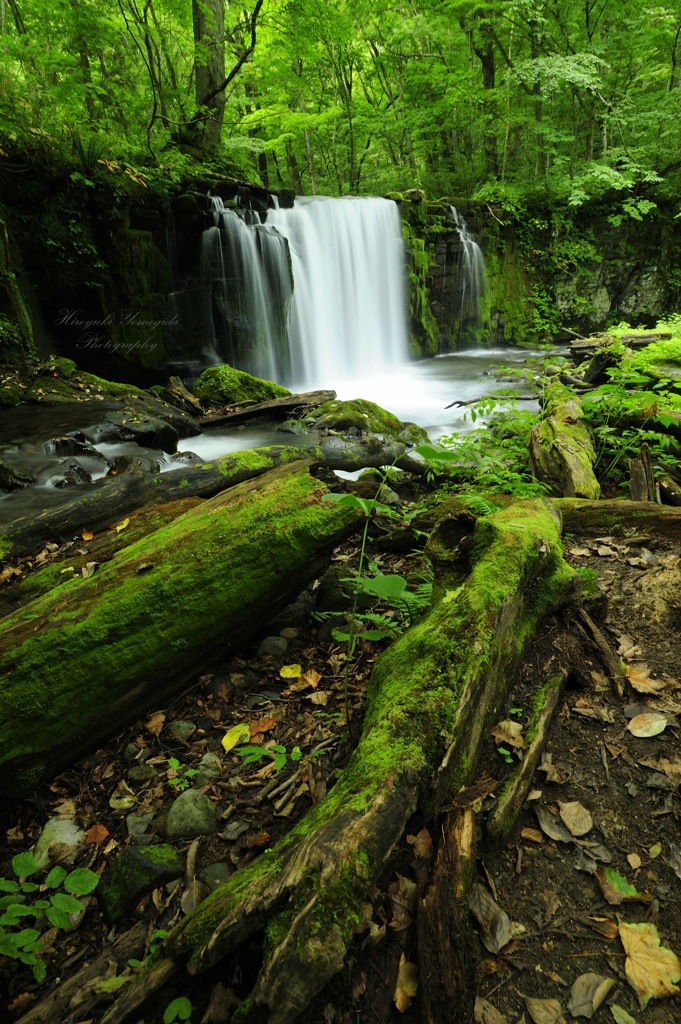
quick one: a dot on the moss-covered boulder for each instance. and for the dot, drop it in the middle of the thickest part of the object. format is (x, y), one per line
(224, 385)
(561, 447)
(366, 418)
(135, 872)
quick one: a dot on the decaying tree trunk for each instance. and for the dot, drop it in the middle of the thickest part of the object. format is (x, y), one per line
(83, 660)
(431, 699)
(111, 498)
(561, 447)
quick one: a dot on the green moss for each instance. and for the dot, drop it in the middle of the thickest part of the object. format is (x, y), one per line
(224, 385)
(366, 417)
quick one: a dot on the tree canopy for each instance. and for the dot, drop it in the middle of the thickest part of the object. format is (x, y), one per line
(498, 100)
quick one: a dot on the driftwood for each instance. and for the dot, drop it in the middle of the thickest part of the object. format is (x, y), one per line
(582, 348)
(274, 409)
(85, 659)
(561, 447)
(431, 700)
(111, 498)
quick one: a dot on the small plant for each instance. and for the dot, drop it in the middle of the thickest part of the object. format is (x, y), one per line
(182, 774)
(279, 754)
(589, 581)
(22, 943)
(155, 943)
(179, 1009)
(506, 754)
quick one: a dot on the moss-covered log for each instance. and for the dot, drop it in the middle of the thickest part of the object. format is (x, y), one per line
(111, 498)
(431, 700)
(561, 447)
(85, 659)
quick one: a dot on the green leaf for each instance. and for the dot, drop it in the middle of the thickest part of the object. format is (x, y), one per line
(179, 1009)
(279, 761)
(29, 887)
(69, 904)
(24, 864)
(55, 877)
(28, 935)
(296, 754)
(39, 971)
(81, 881)
(6, 885)
(57, 918)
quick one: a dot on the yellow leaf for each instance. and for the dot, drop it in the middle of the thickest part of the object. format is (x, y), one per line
(237, 734)
(87, 534)
(290, 671)
(650, 968)
(122, 526)
(407, 984)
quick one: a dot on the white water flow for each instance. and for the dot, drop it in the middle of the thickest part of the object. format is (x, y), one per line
(472, 278)
(313, 296)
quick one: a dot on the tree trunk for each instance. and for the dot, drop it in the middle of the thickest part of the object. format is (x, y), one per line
(561, 447)
(209, 65)
(431, 700)
(85, 659)
(110, 499)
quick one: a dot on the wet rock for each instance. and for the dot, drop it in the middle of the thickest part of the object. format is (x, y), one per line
(124, 462)
(74, 474)
(13, 477)
(182, 730)
(73, 444)
(191, 814)
(135, 872)
(141, 773)
(187, 459)
(215, 874)
(272, 646)
(57, 830)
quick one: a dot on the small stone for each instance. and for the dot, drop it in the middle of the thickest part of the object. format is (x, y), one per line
(325, 631)
(274, 646)
(135, 872)
(131, 751)
(138, 824)
(57, 830)
(182, 730)
(141, 772)
(191, 814)
(210, 767)
(215, 874)
(289, 633)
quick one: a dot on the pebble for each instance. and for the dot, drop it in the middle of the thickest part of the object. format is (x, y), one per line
(182, 730)
(141, 772)
(273, 646)
(138, 824)
(191, 814)
(215, 874)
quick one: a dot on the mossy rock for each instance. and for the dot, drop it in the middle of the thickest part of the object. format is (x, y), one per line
(397, 197)
(368, 418)
(136, 871)
(224, 385)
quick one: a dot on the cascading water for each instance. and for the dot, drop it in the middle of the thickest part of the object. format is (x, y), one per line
(313, 295)
(472, 282)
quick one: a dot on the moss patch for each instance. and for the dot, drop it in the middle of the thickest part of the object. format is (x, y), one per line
(224, 385)
(368, 418)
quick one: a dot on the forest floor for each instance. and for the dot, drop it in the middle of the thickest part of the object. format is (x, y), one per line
(618, 794)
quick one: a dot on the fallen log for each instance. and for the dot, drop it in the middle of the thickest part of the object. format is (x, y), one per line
(111, 498)
(561, 447)
(275, 408)
(88, 657)
(431, 700)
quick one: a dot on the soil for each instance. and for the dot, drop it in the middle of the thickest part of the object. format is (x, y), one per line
(628, 784)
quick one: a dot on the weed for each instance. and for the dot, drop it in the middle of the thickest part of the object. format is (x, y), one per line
(182, 774)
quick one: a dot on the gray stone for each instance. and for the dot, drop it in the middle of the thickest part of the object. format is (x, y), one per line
(135, 872)
(57, 830)
(274, 646)
(325, 631)
(210, 767)
(182, 730)
(191, 814)
(138, 824)
(141, 772)
(215, 874)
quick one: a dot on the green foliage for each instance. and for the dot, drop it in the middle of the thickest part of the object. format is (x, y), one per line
(182, 774)
(179, 1009)
(23, 943)
(279, 754)
(589, 579)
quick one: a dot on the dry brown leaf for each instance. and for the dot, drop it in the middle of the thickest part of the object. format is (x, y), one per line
(647, 725)
(604, 926)
(319, 697)
(552, 773)
(495, 924)
(485, 1013)
(587, 994)
(422, 843)
(651, 969)
(407, 984)
(639, 679)
(264, 725)
(87, 534)
(154, 724)
(403, 896)
(509, 732)
(575, 817)
(122, 798)
(634, 861)
(544, 1011)
(96, 834)
(194, 894)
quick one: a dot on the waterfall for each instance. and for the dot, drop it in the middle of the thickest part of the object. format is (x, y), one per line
(306, 295)
(471, 283)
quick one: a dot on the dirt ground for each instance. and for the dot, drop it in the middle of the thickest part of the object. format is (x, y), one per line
(628, 784)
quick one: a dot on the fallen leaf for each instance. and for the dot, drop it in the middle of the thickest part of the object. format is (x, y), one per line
(647, 725)
(96, 834)
(259, 839)
(634, 861)
(122, 526)
(551, 826)
(403, 895)
(533, 835)
(650, 968)
(407, 984)
(604, 926)
(544, 1011)
(655, 851)
(580, 552)
(639, 679)
(603, 551)
(122, 798)
(237, 734)
(154, 724)
(575, 817)
(485, 1013)
(616, 889)
(88, 570)
(290, 671)
(509, 732)
(264, 725)
(194, 894)
(319, 697)
(552, 773)
(587, 994)
(311, 678)
(63, 854)
(494, 922)
(621, 1016)
(87, 535)
(19, 1004)
(422, 843)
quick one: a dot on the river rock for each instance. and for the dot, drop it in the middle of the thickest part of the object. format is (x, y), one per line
(182, 730)
(73, 474)
(210, 767)
(57, 830)
(272, 646)
(138, 826)
(136, 871)
(215, 874)
(191, 814)
(13, 477)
